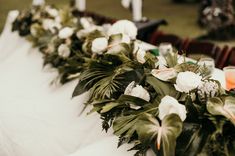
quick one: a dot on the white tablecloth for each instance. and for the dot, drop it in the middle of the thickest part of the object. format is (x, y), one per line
(37, 119)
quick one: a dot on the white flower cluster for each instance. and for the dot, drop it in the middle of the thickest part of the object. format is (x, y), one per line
(125, 28)
(64, 50)
(66, 32)
(187, 81)
(52, 11)
(89, 26)
(208, 89)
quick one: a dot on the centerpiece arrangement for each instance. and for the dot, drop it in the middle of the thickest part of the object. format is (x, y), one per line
(163, 103)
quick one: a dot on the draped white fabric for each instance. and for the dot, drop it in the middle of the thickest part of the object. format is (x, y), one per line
(39, 119)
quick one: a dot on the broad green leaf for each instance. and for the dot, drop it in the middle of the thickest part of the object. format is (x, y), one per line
(162, 88)
(80, 88)
(109, 106)
(192, 139)
(165, 135)
(132, 100)
(224, 106)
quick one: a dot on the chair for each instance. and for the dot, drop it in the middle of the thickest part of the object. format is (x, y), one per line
(204, 49)
(223, 57)
(146, 28)
(159, 37)
(230, 60)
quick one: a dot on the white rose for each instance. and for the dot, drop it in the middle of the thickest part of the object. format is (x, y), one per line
(170, 105)
(86, 22)
(58, 19)
(65, 33)
(164, 74)
(64, 51)
(124, 27)
(52, 12)
(49, 24)
(139, 52)
(187, 81)
(106, 27)
(99, 45)
(126, 39)
(137, 91)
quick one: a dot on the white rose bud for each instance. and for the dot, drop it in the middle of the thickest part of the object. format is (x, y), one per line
(187, 81)
(124, 27)
(137, 91)
(170, 105)
(64, 51)
(140, 56)
(65, 33)
(49, 24)
(99, 45)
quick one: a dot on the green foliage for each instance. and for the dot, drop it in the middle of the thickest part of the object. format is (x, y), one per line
(209, 126)
(224, 106)
(165, 135)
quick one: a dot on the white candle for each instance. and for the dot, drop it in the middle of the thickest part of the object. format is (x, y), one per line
(81, 5)
(137, 10)
(38, 2)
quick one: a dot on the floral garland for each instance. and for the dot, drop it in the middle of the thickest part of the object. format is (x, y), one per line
(164, 103)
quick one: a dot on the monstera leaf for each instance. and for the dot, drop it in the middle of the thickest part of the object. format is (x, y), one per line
(224, 106)
(164, 135)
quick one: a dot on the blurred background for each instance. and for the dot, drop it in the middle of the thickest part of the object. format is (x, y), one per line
(182, 17)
